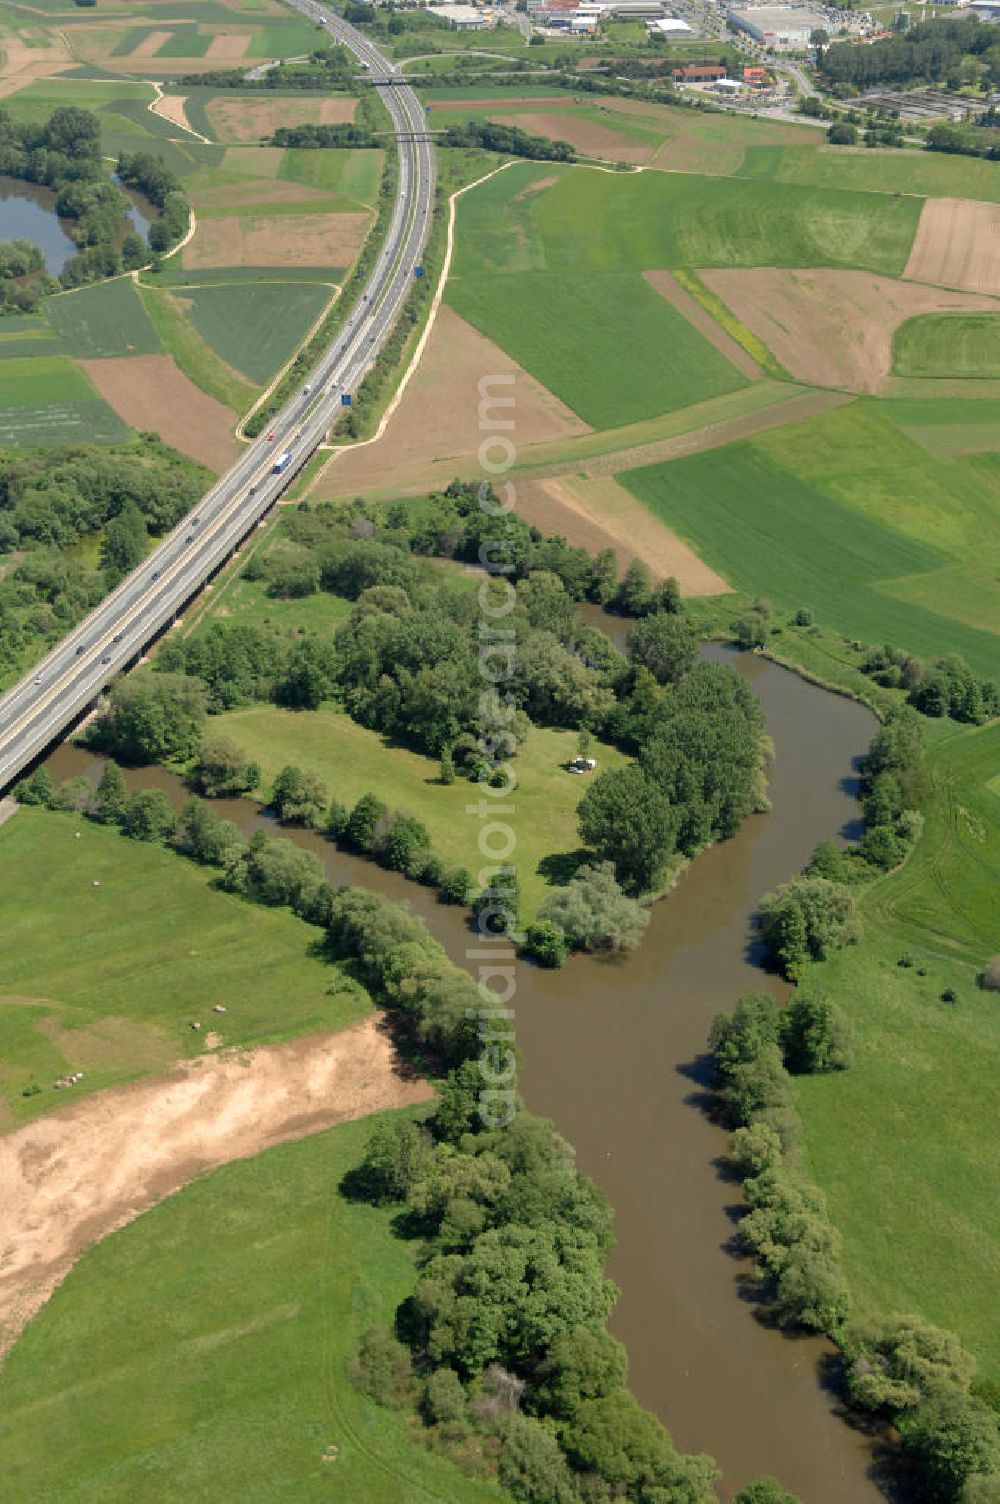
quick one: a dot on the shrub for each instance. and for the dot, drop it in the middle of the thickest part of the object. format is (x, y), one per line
(547, 942)
(991, 974)
(950, 1438)
(39, 790)
(405, 845)
(443, 1401)
(755, 1149)
(363, 821)
(812, 1292)
(765, 1491)
(383, 1369)
(148, 816)
(299, 798)
(532, 1467)
(815, 1036)
(221, 769)
(898, 1364)
(949, 995)
(593, 913)
(456, 885)
(739, 1037)
(805, 919)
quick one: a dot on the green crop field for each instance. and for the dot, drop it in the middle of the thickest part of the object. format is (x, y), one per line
(196, 358)
(187, 41)
(904, 1142)
(611, 347)
(107, 319)
(353, 175)
(843, 514)
(948, 344)
(255, 326)
(108, 977)
(924, 173)
(202, 1353)
(353, 760)
(49, 400)
(598, 221)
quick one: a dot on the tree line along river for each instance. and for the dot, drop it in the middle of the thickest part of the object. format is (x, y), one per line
(614, 1051)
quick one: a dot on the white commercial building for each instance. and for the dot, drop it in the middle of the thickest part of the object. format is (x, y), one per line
(784, 29)
(462, 17)
(670, 26)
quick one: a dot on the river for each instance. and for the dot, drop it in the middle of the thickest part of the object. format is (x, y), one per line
(613, 1051)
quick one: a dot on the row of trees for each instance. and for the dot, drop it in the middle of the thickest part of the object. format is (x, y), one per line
(328, 68)
(504, 1333)
(148, 173)
(64, 153)
(324, 136)
(510, 140)
(901, 1368)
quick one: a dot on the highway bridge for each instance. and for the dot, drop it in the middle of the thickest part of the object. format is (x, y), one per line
(57, 691)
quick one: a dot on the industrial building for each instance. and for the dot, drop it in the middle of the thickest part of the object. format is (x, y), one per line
(670, 26)
(781, 28)
(699, 73)
(462, 17)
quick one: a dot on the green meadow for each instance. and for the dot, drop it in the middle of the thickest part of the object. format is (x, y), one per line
(112, 947)
(848, 516)
(588, 221)
(609, 345)
(903, 1143)
(353, 761)
(948, 344)
(924, 173)
(203, 1352)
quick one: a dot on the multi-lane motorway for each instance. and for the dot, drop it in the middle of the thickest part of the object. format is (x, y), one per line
(49, 699)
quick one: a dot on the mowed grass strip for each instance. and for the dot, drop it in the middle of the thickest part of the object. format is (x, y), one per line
(255, 326)
(587, 221)
(203, 1352)
(352, 761)
(102, 929)
(608, 345)
(776, 520)
(948, 344)
(107, 319)
(904, 1142)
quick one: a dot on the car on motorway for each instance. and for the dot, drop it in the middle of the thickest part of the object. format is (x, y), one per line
(106, 658)
(39, 678)
(80, 649)
(155, 575)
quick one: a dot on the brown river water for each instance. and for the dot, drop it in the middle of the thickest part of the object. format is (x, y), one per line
(613, 1051)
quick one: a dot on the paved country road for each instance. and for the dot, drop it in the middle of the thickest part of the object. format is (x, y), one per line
(56, 691)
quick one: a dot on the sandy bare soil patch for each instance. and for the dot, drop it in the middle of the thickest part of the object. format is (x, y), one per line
(250, 119)
(229, 44)
(150, 392)
(74, 1176)
(832, 328)
(668, 287)
(149, 45)
(957, 244)
(590, 139)
(171, 107)
(437, 422)
(598, 513)
(328, 240)
(538, 186)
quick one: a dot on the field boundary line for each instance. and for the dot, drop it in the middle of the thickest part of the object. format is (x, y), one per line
(157, 87)
(421, 344)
